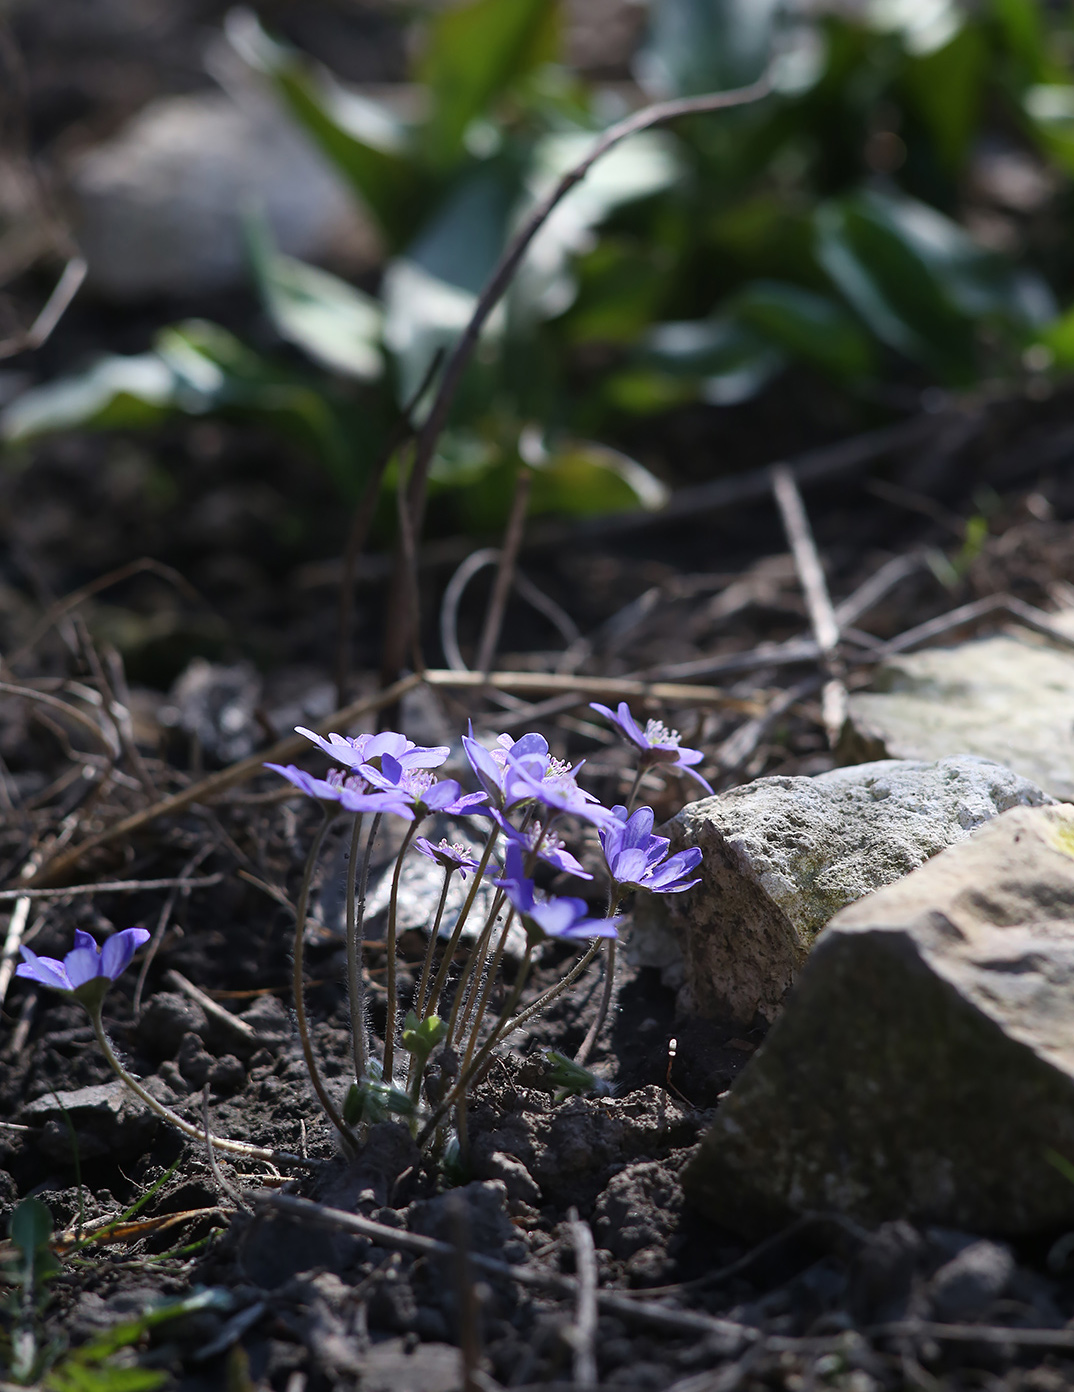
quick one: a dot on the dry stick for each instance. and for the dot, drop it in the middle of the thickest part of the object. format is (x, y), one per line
(822, 616)
(614, 1302)
(16, 927)
(657, 114)
(114, 577)
(212, 1008)
(739, 746)
(71, 712)
(206, 788)
(53, 310)
(501, 586)
(1033, 618)
(111, 887)
(161, 927)
(118, 715)
(584, 1333)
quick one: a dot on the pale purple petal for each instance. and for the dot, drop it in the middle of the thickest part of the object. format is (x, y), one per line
(85, 939)
(82, 964)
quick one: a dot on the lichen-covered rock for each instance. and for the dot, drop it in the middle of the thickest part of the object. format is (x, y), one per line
(924, 1065)
(1006, 698)
(782, 855)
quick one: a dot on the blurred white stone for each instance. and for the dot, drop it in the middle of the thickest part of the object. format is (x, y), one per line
(158, 209)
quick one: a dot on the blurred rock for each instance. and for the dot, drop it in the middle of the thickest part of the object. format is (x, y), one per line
(969, 1284)
(923, 1068)
(1004, 698)
(782, 855)
(166, 1019)
(158, 208)
(216, 705)
(107, 1120)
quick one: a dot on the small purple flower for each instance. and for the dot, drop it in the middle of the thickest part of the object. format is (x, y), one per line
(656, 743)
(324, 789)
(496, 768)
(638, 860)
(451, 856)
(562, 917)
(552, 850)
(410, 793)
(87, 971)
(370, 749)
(556, 791)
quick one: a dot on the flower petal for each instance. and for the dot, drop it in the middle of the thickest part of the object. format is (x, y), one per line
(119, 949)
(46, 971)
(81, 965)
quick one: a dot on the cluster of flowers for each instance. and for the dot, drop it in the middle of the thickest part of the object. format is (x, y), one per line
(524, 796)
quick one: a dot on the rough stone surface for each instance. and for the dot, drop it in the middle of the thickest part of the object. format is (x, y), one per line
(924, 1066)
(107, 1120)
(1006, 698)
(158, 208)
(782, 855)
(167, 1018)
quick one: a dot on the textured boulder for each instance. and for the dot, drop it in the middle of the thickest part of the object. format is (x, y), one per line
(1006, 698)
(782, 855)
(923, 1067)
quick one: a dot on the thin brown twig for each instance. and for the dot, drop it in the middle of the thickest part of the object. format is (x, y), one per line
(1035, 619)
(53, 310)
(584, 1332)
(660, 113)
(29, 693)
(113, 887)
(822, 616)
(212, 1008)
(118, 716)
(501, 586)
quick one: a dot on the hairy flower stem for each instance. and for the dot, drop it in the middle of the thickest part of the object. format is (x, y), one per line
(393, 990)
(593, 1033)
(471, 974)
(302, 908)
(430, 951)
(355, 985)
(195, 1133)
(440, 979)
(482, 1004)
(636, 788)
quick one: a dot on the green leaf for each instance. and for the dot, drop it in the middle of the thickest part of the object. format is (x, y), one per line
(474, 53)
(726, 360)
(367, 143)
(697, 46)
(812, 327)
(31, 1227)
(920, 282)
(585, 479)
(1020, 21)
(1050, 108)
(331, 321)
(946, 87)
(115, 392)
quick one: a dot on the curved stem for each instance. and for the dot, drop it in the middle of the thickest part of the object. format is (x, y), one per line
(482, 1004)
(546, 998)
(430, 951)
(471, 972)
(355, 985)
(635, 789)
(195, 1133)
(582, 1056)
(393, 990)
(297, 974)
(440, 979)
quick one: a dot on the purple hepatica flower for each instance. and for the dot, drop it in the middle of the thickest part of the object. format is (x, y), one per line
(370, 749)
(638, 860)
(552, 918)
(409, 793)
(450, 856)
(556, 791)
(87, 971)
(324, 789)
(552, 850)
(495, 768)
(656, 743)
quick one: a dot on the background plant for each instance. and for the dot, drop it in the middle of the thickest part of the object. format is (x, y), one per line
(889, 218)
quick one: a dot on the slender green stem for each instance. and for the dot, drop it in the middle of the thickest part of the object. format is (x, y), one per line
(440, 979)
(393, 990)
(355, 984)
(635, 789)
(297, 974)
(547, 997)
(195, 1133)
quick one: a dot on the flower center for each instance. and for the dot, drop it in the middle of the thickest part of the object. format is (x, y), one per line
(658, 734)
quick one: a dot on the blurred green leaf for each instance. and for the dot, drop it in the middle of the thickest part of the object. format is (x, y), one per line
(366, 142)
(331, 321)
(920, 282)
(31, 1227)
(946, 87)
(584, 479)
(808, 326)
(727, 361)
(1020, 21)
(1050, 108)
(115, 392)
(473, 53)
(697, 46)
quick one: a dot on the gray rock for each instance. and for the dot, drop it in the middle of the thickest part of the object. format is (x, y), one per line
(923, 1068)
(1006, 698)
(107, 1120)
(969, 1284)
(782, 855)
(158, 208)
